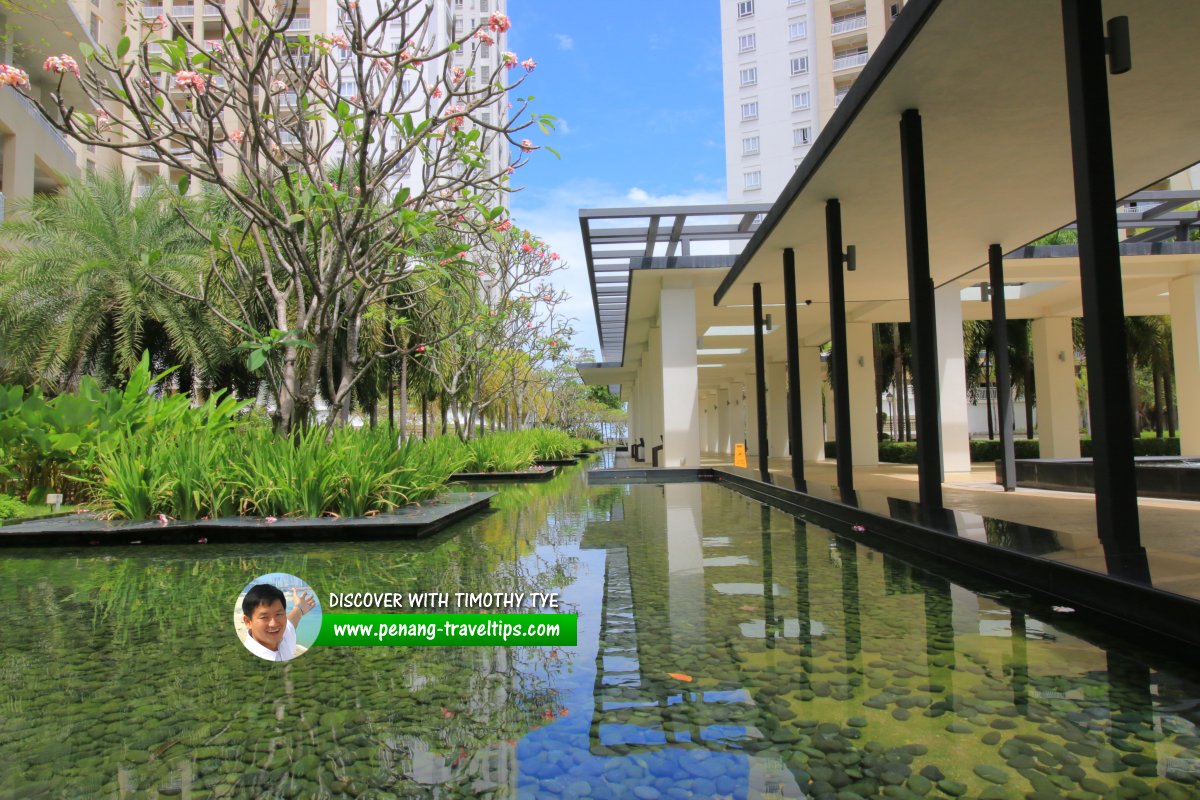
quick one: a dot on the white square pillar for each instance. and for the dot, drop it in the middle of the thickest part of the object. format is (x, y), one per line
(777, 410)
(1054, 383)
(1185, 337)
(724, 414)
(864, 447)
(677, 348)
(952, 379)
(812, 386)
(750, 382)
(737, 416)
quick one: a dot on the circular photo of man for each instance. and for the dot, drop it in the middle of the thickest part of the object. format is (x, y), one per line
(277, 616)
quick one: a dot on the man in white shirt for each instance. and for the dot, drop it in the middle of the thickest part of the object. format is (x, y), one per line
(271, 630)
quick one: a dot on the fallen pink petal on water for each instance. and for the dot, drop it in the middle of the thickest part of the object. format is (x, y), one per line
(162, 520)
(271, 519)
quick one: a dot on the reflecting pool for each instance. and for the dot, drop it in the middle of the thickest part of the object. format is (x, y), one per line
(726, 650)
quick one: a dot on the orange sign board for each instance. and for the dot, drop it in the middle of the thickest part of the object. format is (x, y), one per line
(739, 455)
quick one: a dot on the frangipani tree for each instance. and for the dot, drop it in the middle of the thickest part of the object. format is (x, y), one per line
(514, 328)
(343, 154)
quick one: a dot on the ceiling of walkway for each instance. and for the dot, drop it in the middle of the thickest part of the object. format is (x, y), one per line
(989, 80)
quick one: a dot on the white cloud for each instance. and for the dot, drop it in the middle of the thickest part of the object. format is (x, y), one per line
(565, 42)
(554, 217)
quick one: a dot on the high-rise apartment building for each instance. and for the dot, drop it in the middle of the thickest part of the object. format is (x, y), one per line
(34, 157)
(787, 66)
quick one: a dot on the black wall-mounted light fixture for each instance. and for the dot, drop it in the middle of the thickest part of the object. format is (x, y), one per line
(985, 292)
(850, 258)
(1116, 45)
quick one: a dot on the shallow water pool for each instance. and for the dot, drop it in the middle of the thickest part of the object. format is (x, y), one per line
(725, 650)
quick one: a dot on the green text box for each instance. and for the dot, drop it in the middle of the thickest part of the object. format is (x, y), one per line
(447, 630)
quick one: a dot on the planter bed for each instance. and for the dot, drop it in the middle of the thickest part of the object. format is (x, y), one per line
(409, 522)
(557, 462)
(526, 475)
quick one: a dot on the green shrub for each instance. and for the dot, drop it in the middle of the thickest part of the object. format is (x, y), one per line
(550, 444)
(11, 507)
(502, 451)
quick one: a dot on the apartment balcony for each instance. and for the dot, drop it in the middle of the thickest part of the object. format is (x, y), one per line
(183, 11)
(52, 134)
(850, 60)
(150, 12)
(848, 24)
(211, 11)
(839, 97)
(142, 190)
(300, 24)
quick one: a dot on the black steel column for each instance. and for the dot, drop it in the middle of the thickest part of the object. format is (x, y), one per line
(1008, 467)
(760, 385)
(837, 356)
(796, 427)
(1103, 301)
(921, 314)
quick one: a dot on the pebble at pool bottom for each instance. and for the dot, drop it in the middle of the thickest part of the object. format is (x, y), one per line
(725, 650)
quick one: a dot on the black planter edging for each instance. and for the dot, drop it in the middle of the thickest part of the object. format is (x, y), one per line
(1157, 476)
(410, 522)
(486, 477)
(1142, 612)
(650, 475)
(557, 462)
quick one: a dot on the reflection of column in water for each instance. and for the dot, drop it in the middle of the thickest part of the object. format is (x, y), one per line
(850, 600)
(1129, 699)
(770, 623)
(803, 606)
(1020, 662)
(685, 562)
(939, 631)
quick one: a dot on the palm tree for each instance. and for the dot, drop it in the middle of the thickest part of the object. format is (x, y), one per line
(81, 286)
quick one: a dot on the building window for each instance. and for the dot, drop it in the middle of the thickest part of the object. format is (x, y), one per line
(802, 137)
(91, 167)
(458, 3)
(800, 65)
(748, 76)
(94, 27)
(750, 110)
(795, 2)
(801, 101)
(750, 146)
(752, 180)
(348, 88)
(745, 8)
(485, 51)
(747, 42)
(798, 30)
(458, 28)
(485, 74)
(483, 5)
(486, 118)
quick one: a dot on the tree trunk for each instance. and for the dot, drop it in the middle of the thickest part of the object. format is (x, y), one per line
(443, 409)
(1158, 402)
(424, 417)
(403, 397)
(877, 357)
(1133, 396)
(1169, 391)
(987, 390)
(391, 404)
(1030, 399)
(898, 377)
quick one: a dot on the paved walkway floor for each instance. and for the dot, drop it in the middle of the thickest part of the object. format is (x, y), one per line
(1170, 528)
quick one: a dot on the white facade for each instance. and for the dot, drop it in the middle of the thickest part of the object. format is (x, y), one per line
(787, 64)
(770, 94)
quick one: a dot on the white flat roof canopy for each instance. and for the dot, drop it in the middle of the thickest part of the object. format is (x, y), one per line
(989, 79)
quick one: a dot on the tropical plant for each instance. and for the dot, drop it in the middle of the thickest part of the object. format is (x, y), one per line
(81, 286)
(308, 139)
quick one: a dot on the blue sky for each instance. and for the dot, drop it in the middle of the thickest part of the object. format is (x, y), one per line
(637, 91)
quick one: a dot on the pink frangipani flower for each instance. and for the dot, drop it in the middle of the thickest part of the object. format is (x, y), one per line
(186, 79)
(529, 64)
(61, 64)
(13, 76)
(499, 23)
(527, 146)
(508, 60)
